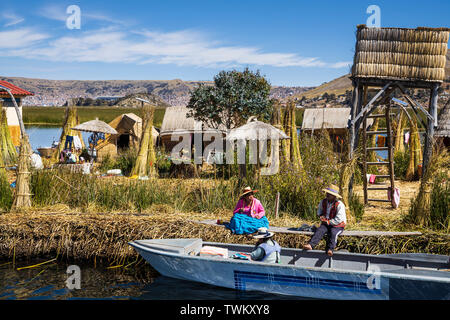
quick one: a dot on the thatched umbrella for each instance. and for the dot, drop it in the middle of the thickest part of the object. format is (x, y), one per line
(95, 126)
(255, 130)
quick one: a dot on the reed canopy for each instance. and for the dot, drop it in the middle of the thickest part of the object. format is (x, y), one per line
(96, 126)
(401, 54)
(256, 130)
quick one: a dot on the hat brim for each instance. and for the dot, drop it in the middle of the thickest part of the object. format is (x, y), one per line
(245, 193)
(332, 193)
(263, 236)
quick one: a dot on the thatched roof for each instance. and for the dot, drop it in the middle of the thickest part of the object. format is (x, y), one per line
(256, 130)
(327, 118)
(176, 120)
(95, 126)
(129, 123)
(401, 54)
(443, 127)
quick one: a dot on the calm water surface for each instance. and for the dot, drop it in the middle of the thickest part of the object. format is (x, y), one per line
(43, 136)
(48, 282)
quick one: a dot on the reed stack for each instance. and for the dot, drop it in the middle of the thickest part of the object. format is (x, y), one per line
(22, 196)
(146, 161)
(70, 120)
(8, 151)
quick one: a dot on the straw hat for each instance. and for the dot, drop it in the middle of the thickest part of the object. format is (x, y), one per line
(332, 189)
(263, 233)
(247, 190)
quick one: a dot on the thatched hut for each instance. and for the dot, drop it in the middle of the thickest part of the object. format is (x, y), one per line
(401, 54)
(332, 120)
(176, 122)
(442, 132)
(129, 129)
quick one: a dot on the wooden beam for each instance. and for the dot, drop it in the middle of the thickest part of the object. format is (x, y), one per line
(375, 98)
(414, 102)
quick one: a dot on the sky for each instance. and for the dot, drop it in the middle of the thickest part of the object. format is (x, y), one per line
(292, 43)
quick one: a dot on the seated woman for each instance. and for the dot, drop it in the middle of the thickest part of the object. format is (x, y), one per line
(249, 214)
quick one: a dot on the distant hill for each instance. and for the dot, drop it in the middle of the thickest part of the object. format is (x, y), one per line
(171, 92)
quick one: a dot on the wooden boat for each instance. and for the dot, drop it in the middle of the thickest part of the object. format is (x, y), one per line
(304, 273)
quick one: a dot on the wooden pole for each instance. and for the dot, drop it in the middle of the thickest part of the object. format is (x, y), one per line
(430, 127)
(390, 156)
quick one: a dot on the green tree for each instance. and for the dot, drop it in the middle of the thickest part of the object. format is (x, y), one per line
(234, 98)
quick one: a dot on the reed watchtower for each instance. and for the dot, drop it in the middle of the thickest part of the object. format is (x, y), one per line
(390, 60)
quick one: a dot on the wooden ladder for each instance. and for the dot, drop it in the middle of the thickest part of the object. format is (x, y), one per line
(390, 161)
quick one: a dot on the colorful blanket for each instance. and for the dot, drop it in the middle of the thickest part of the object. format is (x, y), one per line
(244, 224)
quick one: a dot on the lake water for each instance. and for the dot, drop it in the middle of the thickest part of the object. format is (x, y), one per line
(48, 282)
(43, 136)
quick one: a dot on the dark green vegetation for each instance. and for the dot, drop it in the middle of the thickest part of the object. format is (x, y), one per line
(55, 115)
(234, 97)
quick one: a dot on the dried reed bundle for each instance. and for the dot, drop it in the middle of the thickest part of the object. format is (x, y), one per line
(415, 151)
(394, 53)
(71, 120)
(291, 130)
(399, 138)
(22, 197)
(420, 211)
(7, 150)
(146, 161)
(346, 173)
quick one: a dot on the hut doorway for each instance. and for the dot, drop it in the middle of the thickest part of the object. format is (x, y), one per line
(123, 142)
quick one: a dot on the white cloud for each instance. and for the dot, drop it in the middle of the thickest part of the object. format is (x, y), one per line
(182, 48)
(11, 18)
(20, 38)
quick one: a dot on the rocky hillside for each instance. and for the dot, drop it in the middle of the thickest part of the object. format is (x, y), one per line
(170, 92)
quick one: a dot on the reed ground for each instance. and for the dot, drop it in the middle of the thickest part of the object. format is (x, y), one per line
(95, 235)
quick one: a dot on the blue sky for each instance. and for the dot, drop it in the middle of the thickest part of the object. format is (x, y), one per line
(294, 43)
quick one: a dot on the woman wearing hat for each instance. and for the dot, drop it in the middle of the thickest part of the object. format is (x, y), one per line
(266, 249)
(333, 219)
(249, 214)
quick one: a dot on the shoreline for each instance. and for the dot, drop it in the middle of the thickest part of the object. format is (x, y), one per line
(103, 238)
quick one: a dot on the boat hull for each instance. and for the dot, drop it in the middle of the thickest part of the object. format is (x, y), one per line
(292, 280)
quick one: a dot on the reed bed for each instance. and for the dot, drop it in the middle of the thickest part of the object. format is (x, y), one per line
(104, 238)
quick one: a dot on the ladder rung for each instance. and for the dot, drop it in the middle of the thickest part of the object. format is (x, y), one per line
(379, 200)
(377, 148)
(378, 188)
(376, 163)
(376, 132)
(380, 115)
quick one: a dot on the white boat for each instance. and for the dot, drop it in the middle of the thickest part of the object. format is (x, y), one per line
(303, 273)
